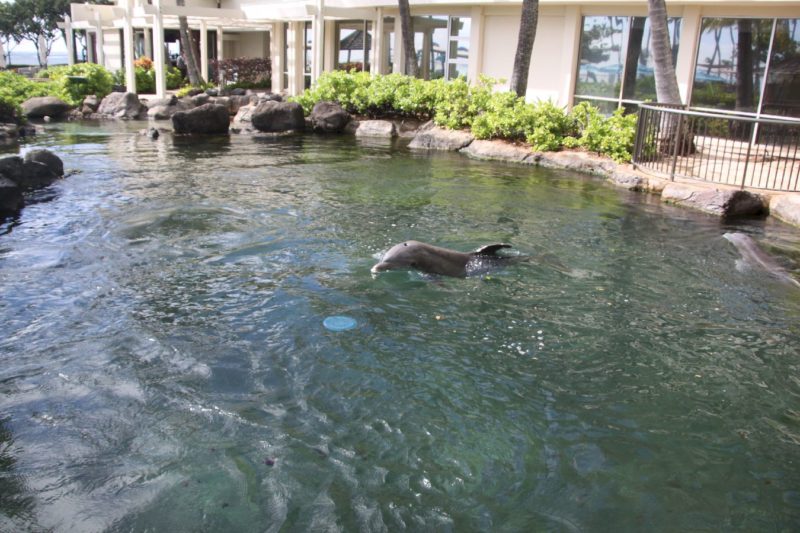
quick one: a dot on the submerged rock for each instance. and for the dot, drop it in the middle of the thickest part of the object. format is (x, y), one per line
(206, 119)
(278, 117)
(45, 106)
(39, 169)
(329, 117)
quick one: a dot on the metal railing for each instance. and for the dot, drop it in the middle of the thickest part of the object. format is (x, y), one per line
(760, 153)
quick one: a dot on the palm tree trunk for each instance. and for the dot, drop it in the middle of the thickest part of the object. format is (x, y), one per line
(187, 47)
(667, 91)
(412, 69)
(527, 34)
(634, 52)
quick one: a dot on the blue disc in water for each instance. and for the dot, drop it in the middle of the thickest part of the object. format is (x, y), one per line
(339, 323)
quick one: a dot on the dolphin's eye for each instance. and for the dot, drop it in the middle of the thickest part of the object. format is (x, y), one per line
(405, 244)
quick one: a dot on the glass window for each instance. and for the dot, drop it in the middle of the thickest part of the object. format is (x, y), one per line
(442, 45)
(353, 45)
(782, 91)
(308, 54)
(616, 61)
(285, 55)
(388, 43)
(731, 60)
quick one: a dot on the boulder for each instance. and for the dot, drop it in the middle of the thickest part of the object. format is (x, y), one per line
(376, 128)
(11, 168)
(158, 102)
(91, 103)
(162, 112)
(624, 176)
(278, 117)
(499, 151)
(431, 137)
(29, 174)
(271, 97)
(11, 200)
(576, 160)
(206, 119)
(238, 102)
(328, 117)
(48, 159)
(224, 101)
(45, 106)
(8, 133)
(125, 106)
(200, 99)
(786, 207)
(723, 202)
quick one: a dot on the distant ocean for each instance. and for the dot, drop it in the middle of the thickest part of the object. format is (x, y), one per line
(30, 58)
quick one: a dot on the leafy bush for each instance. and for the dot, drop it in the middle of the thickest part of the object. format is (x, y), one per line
(15, 88)
(98, 81)
(10, 111)
(612, 136)
(146, 76)
(490, 115)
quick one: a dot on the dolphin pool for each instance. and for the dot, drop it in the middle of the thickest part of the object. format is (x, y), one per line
(164, 364)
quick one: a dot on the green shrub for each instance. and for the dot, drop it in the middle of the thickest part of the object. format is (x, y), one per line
(10, 111)
(612, 136)
(146, 79)
(490, 115)
(98, 81)
(15, 88)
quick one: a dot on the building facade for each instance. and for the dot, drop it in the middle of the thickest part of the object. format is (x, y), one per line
(730, 56)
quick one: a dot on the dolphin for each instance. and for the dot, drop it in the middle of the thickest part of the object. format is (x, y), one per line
(755, 256)
(435, 260)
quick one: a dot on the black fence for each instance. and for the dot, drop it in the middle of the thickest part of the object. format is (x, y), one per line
(722, 148)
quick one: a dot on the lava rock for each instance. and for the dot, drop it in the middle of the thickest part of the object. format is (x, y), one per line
(278, 117)
(329, 117)
(125, 106)
(206, 119)
(45, 106)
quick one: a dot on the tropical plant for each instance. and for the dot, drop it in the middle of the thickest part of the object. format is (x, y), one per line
(73, 83)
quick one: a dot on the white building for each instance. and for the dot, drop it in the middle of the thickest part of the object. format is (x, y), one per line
(728, 54)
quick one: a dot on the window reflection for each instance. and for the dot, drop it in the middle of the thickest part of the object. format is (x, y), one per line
(782, 92)
(616, 61)
(354, 43)
(731, 60)
(442, 45)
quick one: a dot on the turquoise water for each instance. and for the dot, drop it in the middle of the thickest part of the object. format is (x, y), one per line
(164, 364)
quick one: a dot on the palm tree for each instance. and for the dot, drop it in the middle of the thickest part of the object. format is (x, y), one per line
(412, 69)
(188, 49)
(527, 34)
(667, 91)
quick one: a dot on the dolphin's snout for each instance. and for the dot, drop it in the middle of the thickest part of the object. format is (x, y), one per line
(381, 267)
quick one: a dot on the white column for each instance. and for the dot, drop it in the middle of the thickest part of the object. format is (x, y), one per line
(204, 50)
(318, 48)
(127, 44)
(91, 39)
(2, 56)
(220, 45)
(691, 26)
(569, 53)
(377, 43)
(276, 49)
(70, 35)
(159, 59)
(399, 60)
(475, 66)
(100, 40)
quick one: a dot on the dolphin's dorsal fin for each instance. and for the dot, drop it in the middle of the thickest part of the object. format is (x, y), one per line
(490, 249)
